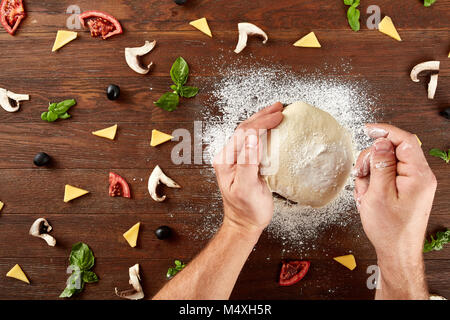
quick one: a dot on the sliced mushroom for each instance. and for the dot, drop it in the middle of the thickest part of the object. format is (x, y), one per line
(154, 180)
(432, 85)
(40, 228)
(6, 96)
(136, 293)
(132, 56)
(427, 65)
(248, 29)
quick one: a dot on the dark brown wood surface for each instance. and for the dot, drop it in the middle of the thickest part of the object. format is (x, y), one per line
(83, 69)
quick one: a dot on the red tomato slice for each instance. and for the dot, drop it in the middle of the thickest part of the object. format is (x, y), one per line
(118, 187)
(292, 272)
(101, 23)
(11, 14)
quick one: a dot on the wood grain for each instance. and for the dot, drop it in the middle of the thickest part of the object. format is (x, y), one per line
(84, 68)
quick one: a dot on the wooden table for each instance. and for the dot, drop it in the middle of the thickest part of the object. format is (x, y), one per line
(83, 69)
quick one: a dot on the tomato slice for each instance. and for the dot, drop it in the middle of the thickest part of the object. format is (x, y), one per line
(118, 187)
(11, 14)
(292, 272)
(101, 23)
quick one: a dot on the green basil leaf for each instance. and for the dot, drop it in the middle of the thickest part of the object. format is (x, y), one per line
(52, 106)
(65, 116)
(353, 15)
(179, 71)
(169, 101)
(178, 263)
(348, 2)
(44, 116)
(356, 3)
(64, 106)
(81, 256)
(174, 87)
(440, 154)
(51, 116)
(89, 277)
(428, 3)
(67, 293)
(188, 92)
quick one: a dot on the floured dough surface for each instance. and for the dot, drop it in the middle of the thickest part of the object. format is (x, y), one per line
(314, 157)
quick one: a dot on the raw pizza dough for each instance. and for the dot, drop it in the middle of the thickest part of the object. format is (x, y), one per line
(314, 159)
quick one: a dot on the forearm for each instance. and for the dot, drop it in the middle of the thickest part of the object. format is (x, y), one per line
(213, 273)
(402, 278)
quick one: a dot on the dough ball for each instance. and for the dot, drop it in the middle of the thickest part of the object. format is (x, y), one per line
(314, 157)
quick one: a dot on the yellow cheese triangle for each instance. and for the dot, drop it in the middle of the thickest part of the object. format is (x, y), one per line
(418, 140)
(347, 261)
(308, 41)
(387, 27)
(71, 193)
(159, 137)
(17, 273)
(132, 235)
(108, 133)
(1, 205)
(63, 37)
(202, 25)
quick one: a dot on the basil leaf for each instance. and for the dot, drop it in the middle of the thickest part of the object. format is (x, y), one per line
(428, 3)
(81, 256)
(67, 293)
(89, 277)
(353, 15)
(44, 116)
(174, 87)
(348, 2)
(63, 106)
(440, 154)
(75, 285)
(65, 116)
(168, 101)
(51, 116)
(179, 71)
(188, 92)
(52, 106)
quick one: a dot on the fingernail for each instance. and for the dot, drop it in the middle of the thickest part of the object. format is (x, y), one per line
(376, 132)
(252, 141)
(383, 145)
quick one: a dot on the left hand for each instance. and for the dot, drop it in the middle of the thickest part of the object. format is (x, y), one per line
(248, 202)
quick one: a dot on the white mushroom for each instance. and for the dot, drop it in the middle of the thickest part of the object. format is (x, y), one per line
(136, 293)
(155, 178)
(427, 65)
(132, 57)
(5, 102)
(432, 85)
(247, 29)
(40, 229)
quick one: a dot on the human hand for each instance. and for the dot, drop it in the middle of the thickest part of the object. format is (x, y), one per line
(394, 193)
(247, 200)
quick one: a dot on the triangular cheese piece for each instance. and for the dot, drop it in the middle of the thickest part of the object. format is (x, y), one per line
(387, 27)
(17, 273)
(418, 140)
(132, 235)
(108, 133)
(308, 41)
(63, 37)
(159, 137)
(71, 193)
(347, 261)
(202, 25)
(1, 205)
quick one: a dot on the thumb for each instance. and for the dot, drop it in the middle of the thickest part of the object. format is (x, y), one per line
(383, 167)
(247, 168)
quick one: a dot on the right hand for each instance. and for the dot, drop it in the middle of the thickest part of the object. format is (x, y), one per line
(394, 192)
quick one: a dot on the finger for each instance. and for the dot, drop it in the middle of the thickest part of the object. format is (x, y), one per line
(247, 168)
(276, 107)
(362, 166)
(383, 168)
(407, 144)
(361, 187)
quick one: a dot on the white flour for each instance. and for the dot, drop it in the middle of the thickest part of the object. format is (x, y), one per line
(243, 90)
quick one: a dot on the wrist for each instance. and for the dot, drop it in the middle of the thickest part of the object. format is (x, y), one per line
(247, 232)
